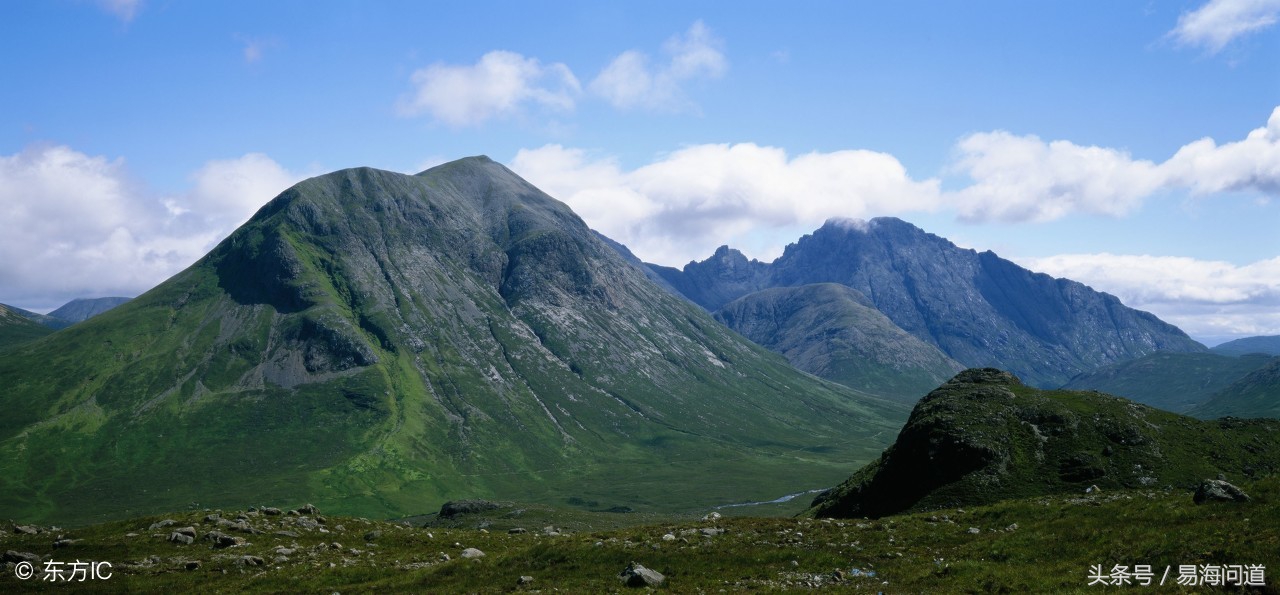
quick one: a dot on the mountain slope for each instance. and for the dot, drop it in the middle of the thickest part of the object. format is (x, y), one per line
(81, 309)
(1255, 395)
(1268, 345)
(379, 342)
(978, 308)
(1174, 382)
(16, 329)
(984, 437)
(834, 332)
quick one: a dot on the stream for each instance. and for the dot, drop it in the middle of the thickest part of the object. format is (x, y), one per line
(787, 498)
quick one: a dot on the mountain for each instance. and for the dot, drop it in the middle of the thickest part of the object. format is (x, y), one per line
(81, 309)
(977, 308)
(378, 343)
(41, 319)
(1268, 345)
(834, 332)
(984, 437)
(1255, 395)
(16, 329)
(1175, 382)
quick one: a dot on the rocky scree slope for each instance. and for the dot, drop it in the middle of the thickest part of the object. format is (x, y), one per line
(984, 437)
(379, 343)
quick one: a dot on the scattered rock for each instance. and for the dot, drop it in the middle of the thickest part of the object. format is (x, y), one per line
(212, 518)
(711, 532)
(669, 537)
(284, 551)
(372, 535)
(517, 531)
(1011, 528)
(182, 538)
(454, 508)
(524, 580)
(309, 509)
(12, 556)
(444, 557)
(472, 553)
(551, 531)
(1093, 489)
(974, 530)
(222, 540)
(272, 511)
(636, 575)
(25, 529)
(1219, 490)
(162, 524)
(287, 534)
(192, 565)
(251, 561)
(714, 516)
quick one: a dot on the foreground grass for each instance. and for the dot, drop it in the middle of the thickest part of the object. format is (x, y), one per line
(1042, 544)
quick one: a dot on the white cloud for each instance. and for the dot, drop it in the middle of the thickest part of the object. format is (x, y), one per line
(1219, 22)
(631, 81)
(1207, 299)
(501, 84)
(1252, 164)
(124, 10)
(1022, 178)
(682, 206)
(75, 226)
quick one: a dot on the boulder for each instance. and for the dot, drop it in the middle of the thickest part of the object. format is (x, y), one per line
(454, 508)
(636, 575)
(472, 553)
(1219, 490)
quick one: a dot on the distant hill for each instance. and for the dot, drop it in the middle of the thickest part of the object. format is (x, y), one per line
(378, 343)
(17, 328)
(977, 308)
(41, 319)
(984, 437)
(1268, 345)
(1255, 395)
(81, 309)
(1176, 382)
(835, 332)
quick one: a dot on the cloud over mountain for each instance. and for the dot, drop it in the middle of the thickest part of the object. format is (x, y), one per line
(78, 225)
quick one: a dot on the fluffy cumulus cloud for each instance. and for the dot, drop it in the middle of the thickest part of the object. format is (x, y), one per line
(682, 206)
(1023, 178)
(632, 80)
(1211, 300)
(500, 84)
(76, 226)
(1219, 22)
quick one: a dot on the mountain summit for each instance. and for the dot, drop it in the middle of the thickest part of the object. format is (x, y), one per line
(379, 342)
(978, 308)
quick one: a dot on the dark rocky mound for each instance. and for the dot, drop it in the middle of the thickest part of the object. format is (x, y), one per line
(984, 437)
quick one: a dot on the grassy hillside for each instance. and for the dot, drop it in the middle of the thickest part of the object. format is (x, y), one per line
(984, 437)
(379, 343)
(834, 332)
(1255, 395)
(1268, 345)
(1176, 382)
(1043, 544)
(16, 329)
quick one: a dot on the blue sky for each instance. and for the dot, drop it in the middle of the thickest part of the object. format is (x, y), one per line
(1128, 145)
